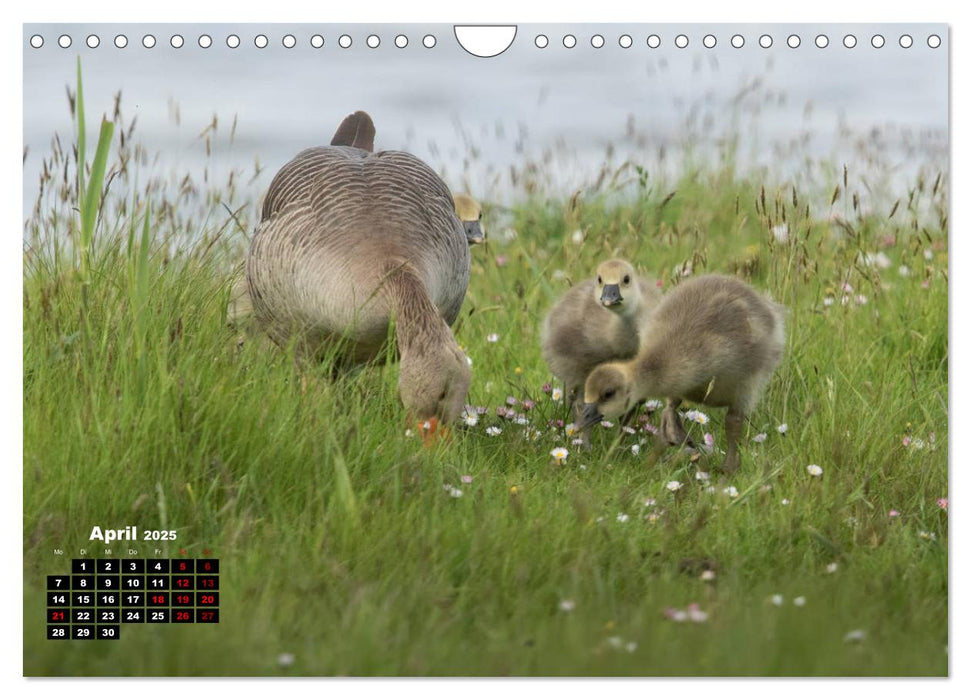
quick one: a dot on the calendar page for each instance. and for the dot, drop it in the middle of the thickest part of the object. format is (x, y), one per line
(510, 350)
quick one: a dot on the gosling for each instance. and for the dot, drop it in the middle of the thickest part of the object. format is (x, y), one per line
(470, 214)
(712, 340)
(598, 320)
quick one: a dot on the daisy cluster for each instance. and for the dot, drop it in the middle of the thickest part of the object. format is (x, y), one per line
(523, 413)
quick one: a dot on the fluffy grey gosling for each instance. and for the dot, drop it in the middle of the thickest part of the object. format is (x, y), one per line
(712, 340)
(597, 321)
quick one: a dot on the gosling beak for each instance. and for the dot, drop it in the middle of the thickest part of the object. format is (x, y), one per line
(591, 415)
(473, 232)
(611, 295)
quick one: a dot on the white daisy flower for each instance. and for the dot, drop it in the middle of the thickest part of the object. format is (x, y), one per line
(702, 476)
(677, 615)
(832, 567)
(673, 486)
(799, 601)
(493, 430)
(635, 449)
(452, 491)
(492, 337)
(731, 492)
(559, 454)
(696, 614)
(814, 470)
(622, 517)
(777, 600)
(556, 394)
(567, 605)
(653, 405)
(471, 418)
(760, 438)
(783, 429)
(697, 416)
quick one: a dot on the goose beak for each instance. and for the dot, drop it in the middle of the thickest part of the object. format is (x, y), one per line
(591, 415)
(611, 295)
(473, 232)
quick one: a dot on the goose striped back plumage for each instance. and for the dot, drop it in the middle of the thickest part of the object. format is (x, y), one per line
(335, 221)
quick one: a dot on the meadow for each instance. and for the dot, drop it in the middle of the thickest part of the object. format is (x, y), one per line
(348, 546)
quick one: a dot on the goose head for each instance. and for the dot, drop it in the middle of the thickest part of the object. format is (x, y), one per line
(469, 211)
(617, 287)
(607, 393)
(435, 382)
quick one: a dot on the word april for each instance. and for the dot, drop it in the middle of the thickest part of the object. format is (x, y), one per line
(106, 536)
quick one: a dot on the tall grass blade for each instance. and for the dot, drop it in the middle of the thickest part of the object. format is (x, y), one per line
(91, 204)
(81, 138)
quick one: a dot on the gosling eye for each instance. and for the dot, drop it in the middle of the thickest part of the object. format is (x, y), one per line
(480, 216)
(626, 279)
(609, 394)
(600, 279)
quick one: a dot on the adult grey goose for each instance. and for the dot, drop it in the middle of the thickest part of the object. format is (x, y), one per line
(349, 240)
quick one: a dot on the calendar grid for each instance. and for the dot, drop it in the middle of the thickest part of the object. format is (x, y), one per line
(99, 595)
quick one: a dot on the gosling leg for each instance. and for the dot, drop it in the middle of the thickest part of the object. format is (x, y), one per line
(733, 429)
(672, 429)
(577, 413)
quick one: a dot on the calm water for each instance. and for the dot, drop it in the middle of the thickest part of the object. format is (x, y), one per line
(567, 106)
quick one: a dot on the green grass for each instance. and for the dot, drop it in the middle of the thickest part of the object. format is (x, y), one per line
(338, 541)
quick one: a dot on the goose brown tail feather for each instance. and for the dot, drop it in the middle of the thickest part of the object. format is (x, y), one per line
(356, 130)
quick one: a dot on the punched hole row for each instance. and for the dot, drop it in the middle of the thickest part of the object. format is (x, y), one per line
(233, 41)
(541, 41)
(710, 41)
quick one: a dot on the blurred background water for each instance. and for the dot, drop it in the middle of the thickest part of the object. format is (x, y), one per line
(554, 116)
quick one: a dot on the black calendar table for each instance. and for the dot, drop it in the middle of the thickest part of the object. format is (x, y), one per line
(99, 595)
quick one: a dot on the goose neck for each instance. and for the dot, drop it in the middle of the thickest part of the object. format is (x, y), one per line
(418, 323)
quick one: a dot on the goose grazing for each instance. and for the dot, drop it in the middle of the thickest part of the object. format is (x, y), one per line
(350, 240)
(712, 340)
(597, 321)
